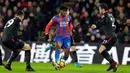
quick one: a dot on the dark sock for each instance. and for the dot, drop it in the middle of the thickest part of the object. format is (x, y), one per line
(74, 56)
(106, 55)
(65, 58)
(0, 58)
(27, 57)
(50, 55)
(66, 54)
(13, 56)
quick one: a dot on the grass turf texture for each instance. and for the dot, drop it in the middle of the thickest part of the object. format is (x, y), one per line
(18, 67)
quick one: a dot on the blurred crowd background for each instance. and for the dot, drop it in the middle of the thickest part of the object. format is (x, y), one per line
(84, 13)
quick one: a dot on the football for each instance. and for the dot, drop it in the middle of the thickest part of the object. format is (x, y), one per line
(61, 63)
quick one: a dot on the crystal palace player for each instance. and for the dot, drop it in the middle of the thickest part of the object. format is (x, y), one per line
(73, 53)
(11, 41)
(108, 21)
(64, 32)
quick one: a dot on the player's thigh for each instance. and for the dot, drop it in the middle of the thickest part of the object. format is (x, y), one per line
(9, 44)
(66, 46)
(58, 42)
(109, 42)
(22, 45)
(26, 47)
(66, 43)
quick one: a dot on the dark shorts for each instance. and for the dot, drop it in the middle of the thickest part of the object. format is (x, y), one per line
(13, 44)
(109, 42)
(72, 42)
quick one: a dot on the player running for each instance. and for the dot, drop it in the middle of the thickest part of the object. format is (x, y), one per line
(72, 52)
(108, 21)
(11, 41)
(64, 32)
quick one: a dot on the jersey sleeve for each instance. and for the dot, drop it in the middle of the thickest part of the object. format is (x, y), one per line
(53, 21)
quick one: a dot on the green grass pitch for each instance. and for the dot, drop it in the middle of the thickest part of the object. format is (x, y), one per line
(18, 67)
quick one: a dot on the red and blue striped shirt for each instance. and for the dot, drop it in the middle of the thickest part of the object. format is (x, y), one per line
(63, 25)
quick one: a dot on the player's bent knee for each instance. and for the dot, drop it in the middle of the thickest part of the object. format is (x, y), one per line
(58, 45)
(73, 48)
(101, 49)
(61, 50)
(26, 47)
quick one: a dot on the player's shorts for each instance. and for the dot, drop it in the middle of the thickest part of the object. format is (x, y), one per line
(13, 44)
(72, 42)
(109, 42)
(64, 41)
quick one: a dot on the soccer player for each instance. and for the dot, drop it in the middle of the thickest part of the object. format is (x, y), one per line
(64, 31)
(72, 52)
(108, 21)
(11, 41)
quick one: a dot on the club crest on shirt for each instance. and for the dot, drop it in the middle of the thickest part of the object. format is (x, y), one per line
(63, 24)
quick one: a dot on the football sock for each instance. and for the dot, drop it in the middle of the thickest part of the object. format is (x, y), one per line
(0, 58)
(57, 55)
(74, 56)
(106, 55)
(12, 57)
(65, 58)
(66, 54)
(27, 57)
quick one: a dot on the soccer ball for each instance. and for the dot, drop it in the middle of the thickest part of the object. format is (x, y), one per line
(61, 63)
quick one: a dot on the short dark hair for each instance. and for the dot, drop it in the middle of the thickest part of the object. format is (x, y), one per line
(64, 7)
(104, 6)
(20, 12)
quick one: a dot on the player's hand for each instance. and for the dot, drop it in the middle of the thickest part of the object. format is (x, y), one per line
(93, 26)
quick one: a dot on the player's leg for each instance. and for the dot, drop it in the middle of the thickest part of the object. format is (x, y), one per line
(66, 47)
(65, 44)
(58, 44)
(103, 50)
(27, 49)
(11, 44)
(57, 51)
(73, 54)
(11, 59)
